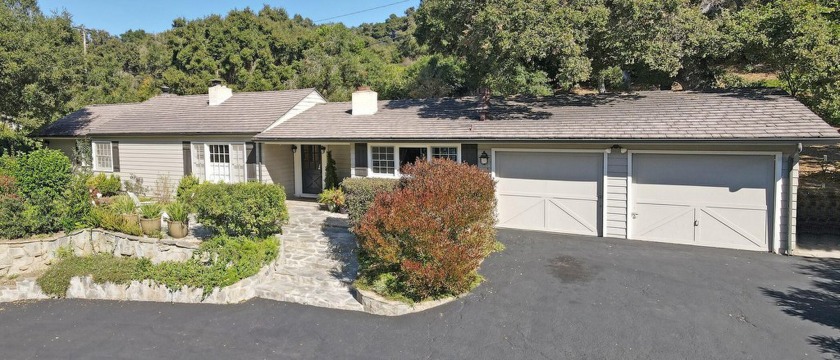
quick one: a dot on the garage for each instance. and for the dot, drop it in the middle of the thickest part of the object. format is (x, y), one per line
(718, 200)
(557, 191)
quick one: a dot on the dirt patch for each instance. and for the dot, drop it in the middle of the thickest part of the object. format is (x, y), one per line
(570, 270)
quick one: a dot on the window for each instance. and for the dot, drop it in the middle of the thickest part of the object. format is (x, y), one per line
(103, 159)
(450, 153)
(382, 160)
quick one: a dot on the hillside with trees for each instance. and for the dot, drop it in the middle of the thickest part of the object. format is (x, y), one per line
(443, 48)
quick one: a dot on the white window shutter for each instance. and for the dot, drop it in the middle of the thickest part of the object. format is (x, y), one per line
(237, 163)
(198, 161)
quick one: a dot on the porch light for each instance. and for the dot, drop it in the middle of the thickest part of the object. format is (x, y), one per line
(294, 149)
(484, 158)
(323, 149)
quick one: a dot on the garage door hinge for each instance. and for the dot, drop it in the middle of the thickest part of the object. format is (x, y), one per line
(696, 222)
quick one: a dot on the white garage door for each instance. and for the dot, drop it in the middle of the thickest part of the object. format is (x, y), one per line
(551, 191)
(711, 200)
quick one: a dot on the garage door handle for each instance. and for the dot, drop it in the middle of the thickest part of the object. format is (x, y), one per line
(696, 222)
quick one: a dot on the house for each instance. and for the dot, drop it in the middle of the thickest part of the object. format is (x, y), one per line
(703, 168)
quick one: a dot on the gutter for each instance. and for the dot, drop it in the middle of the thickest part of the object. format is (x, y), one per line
(769, 141)
(794, 159)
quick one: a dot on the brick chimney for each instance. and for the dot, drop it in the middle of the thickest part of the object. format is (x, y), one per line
(218, 93)
(365, 101)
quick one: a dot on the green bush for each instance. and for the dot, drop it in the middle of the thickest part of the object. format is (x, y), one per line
(42, 177)
(243, 209)
(77, 207)
(109, 219)
(107, 185)
(360, 192)
(427, 238)
(12, 223)
(220, 261)
(124, 205)
(334, 199)
(331, 178)
(186, 189)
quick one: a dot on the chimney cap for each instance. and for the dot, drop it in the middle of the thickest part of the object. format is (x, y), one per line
(363, 88)
(216, 82)
(165, 89)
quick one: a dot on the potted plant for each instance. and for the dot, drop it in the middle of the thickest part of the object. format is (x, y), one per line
(178, 220)
(125, 206)
(333, 199)
(150, 218)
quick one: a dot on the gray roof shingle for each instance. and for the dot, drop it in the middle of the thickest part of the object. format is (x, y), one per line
(80, 122)
(647, 115)
(243, 113)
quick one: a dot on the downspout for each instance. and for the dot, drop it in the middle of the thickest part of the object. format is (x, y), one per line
(794, 159)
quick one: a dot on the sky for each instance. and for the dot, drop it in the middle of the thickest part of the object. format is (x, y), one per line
(118, 16)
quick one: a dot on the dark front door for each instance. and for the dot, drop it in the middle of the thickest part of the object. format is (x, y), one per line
(311, 169)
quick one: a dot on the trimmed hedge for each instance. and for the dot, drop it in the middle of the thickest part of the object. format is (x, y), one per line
(427, 238)
(360, 192)
(243, 209)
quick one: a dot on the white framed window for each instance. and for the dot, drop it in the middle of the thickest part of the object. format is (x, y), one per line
(383, 160)
(103, 156)
(223, 162)
(449, 152)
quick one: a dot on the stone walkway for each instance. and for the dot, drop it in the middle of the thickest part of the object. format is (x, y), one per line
(317, 260)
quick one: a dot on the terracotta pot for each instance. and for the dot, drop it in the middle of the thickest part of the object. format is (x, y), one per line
(131, 219)
(150, 226)
(178, 229)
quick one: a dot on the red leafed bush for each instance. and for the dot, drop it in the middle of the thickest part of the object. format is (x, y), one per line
(7, 185)
(428, 236)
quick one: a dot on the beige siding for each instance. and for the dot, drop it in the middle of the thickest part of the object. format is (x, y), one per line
(341, 155)
(616, 189)
(278, 166)
(67, 146)
(152, 161)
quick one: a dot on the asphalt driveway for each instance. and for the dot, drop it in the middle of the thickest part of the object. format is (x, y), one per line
(546, 296)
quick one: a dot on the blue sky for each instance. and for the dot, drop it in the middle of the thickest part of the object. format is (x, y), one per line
(117, 16)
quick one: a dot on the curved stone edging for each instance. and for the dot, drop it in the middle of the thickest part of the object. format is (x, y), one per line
(375, 304)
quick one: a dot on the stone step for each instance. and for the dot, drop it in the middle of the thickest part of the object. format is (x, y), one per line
(313, 277)
(336, 298)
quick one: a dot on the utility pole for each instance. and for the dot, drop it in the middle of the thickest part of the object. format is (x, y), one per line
(84, 39)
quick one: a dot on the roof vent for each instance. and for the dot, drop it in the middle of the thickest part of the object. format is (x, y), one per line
(364, 101)
(218, 93)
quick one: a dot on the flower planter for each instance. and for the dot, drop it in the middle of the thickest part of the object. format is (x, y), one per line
(150, 226)
(178, 229)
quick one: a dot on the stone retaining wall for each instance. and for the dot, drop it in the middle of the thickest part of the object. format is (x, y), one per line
(818, 212)
(31, 255)
(375, 304)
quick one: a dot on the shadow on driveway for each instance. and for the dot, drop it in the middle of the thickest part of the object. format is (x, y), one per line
(820, 304)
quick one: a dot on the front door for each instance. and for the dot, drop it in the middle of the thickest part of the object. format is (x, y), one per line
(311, 169)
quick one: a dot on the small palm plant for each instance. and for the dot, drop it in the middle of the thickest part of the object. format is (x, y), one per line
(178, 219)
(150, 221)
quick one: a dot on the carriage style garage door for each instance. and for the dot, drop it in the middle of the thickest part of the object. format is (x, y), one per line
(549, 190)
(711, 200)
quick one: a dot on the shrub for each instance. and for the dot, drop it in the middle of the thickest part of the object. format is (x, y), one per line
(242, 209)
(109, 219)
(331, 178)
(77, 205)
(360, 192)
(12, 223)
(42, 177)
(162, 191)
(432, 232)
(134, 185)
(103, 267)
(333, 198)
(107, 185)
(178, 212)
(186, 189)
(151, 211)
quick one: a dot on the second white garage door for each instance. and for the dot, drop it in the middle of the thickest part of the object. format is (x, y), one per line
(550, 191)
(711, 200)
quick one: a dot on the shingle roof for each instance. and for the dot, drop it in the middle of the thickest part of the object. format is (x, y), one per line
(651, 115)
(243, 113)
(81, 121)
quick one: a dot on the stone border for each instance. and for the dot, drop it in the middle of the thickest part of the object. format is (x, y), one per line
(374, 303)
